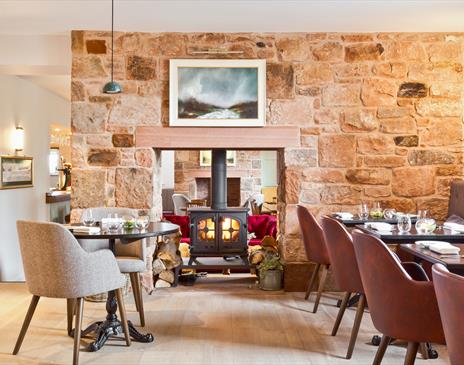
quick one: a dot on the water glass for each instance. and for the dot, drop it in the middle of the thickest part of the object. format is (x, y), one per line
(404, 223)
(389, 213)
(364, 211)
(142, 222)
(114, 222)
(87, 218)
(376, 211)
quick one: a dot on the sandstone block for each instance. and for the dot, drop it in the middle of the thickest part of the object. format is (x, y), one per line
(368, 176)
(88, 68)
(329, 51)
(144, 157)
(442, 132)
(449, 170)
(98, 140)
(400, 204)
(280, 83)
(343, 70)
(377, 191)
(96, 46)
(77, 41)
(447, 89)
(77, 91)
(134, 109)
(398, 125)
(140, 68)
(375, 145)
(327, 116)
(88, 117)
(297, 111)
(341, 194)
(292, 185)
(319, 175)
(412, 90)
(444, 52)
(357, 37)
(430, 157)
(446, 72)
(103, 157)
(134, 188)
(439, 108)
(364, 52)
(88, 188)
(407, 141)
(406, 51)
(393, 112)
(358, 120)
(293, 47)
(397, 70)
(436, 207)
(341, 95)
(123, 140)
(412, 182)
(336, 151)
(376, 92)
(300, 157)
(384, 161)
(313, 73)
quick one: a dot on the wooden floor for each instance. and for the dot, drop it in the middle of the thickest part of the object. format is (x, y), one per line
(220, 320)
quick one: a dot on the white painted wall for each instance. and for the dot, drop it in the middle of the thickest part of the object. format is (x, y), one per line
(167, 169)
(269, 168)
(33, 108)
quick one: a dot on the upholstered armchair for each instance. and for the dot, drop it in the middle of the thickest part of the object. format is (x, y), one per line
(180, 203)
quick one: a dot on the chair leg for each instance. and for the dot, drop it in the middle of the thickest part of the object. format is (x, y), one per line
(122, 313)
(411, 353)
(27, 320)
(312, 280)
(140, 300)
(325, 270)
(381, 350)
(134, 285)
(356, 325)
(341, 312)
(77, 329)
(423, 350)
(70, 308)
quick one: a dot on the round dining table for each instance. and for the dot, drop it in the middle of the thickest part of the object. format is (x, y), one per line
(102, 330)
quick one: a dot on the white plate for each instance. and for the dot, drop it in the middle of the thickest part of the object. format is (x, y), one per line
(426, 244)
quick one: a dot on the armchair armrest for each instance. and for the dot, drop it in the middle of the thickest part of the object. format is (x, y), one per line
(415, 270)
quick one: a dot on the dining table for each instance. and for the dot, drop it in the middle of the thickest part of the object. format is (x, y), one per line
(103, 330)
(356, 220)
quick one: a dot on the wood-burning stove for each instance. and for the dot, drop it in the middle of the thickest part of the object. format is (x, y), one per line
(218, 231)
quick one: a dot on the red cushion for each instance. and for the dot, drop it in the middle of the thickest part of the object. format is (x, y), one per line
(254, 242)
(185, 240)
(262, 225)
(182, 221)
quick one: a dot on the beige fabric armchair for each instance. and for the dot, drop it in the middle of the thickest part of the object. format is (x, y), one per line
(56, 266)
(131, 257)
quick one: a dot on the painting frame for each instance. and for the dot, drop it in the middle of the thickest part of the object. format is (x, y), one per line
(10, 182)
(177, 65)
(206, 158)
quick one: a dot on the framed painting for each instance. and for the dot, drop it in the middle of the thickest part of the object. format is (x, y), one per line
(217, 93)
(205, 158)
(16, 172)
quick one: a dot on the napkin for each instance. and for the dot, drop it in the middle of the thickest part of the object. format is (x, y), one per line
(444, 248)
(84, 229)
(454, 226)
(344, 215)
(379, 226)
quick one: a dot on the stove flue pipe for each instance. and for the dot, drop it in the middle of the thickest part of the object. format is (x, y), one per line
(219, 179)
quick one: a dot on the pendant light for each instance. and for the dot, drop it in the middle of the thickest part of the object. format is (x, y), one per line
(112, 87)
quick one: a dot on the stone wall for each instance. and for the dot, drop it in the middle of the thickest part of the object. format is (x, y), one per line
(247, 168)
(380, 117)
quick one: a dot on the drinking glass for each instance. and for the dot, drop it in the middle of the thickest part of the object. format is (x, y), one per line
(114, 222)
(404, 223)
(376, 211)
(421, 214)
(425, 225)
(364, 211)
(87, 218)
(142, 222)
(389, 213)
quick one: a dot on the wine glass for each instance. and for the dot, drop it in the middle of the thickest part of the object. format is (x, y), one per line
(404, 223)
(364, 211)
(142, 222)
(114, 223)
(87, 218)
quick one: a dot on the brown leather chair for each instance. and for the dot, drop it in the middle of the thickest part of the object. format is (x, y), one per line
(316, 250)
(456, 202)
(345, 269)
(450, 295)
(400, 307)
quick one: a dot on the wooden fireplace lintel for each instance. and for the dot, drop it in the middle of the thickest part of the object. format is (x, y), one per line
(201, 138)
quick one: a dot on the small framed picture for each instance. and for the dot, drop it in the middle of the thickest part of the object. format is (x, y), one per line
(205, 158)
(16, 172)
(217, 93)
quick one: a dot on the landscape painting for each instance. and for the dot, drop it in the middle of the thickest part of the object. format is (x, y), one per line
(217, 93)
(16, 172)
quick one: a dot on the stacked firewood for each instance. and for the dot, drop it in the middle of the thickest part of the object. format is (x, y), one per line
(257, 254)
(167, 257)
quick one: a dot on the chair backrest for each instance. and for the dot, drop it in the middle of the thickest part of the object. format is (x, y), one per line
(180, 201)
(456, 201)
(342, 257)
(195, 203)
(52, 257)
(313, 237)
(450, 295)
(400, 307)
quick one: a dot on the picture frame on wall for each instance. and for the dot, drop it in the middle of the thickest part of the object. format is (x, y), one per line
(217, 93)
(206, 156)
(16, 172)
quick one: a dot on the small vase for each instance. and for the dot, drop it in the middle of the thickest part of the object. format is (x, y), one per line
(270, 280)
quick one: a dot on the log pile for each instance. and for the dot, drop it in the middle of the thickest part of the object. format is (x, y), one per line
(258, 253)
(167, 257)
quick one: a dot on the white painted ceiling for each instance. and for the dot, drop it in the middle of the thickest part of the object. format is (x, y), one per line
(57, 16)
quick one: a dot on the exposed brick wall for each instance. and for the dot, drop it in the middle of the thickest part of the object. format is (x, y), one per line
(380, 117)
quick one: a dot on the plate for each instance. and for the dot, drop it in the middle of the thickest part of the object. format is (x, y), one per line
(426, 244)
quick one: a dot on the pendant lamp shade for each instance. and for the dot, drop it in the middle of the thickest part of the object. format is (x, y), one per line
(112, 87)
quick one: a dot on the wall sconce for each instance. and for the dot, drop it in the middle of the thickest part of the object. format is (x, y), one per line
(18, 138)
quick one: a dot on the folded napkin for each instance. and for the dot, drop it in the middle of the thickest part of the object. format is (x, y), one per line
(444, 248)
(454, 226)
(344, 215)
(84, 229)
(379, 226)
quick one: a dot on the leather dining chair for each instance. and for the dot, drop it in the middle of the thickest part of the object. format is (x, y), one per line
(456, 201)
(316, 251)
(131, 257)
(449, 288)
(56, 266)
(400, 307)
(345, 269)
(180, 203)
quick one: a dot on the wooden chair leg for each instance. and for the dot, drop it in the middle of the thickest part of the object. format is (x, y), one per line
(411, 353)
(140, 300)
(312, 280)
(423, 350)
(70, 308)
(122, 313)
(341, 312)
(356, 325)
(381, 350)
(77, 329)
(323, 278)
(134, 286)
(27, 320)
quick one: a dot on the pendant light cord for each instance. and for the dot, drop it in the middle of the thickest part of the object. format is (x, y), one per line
(112, 38)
